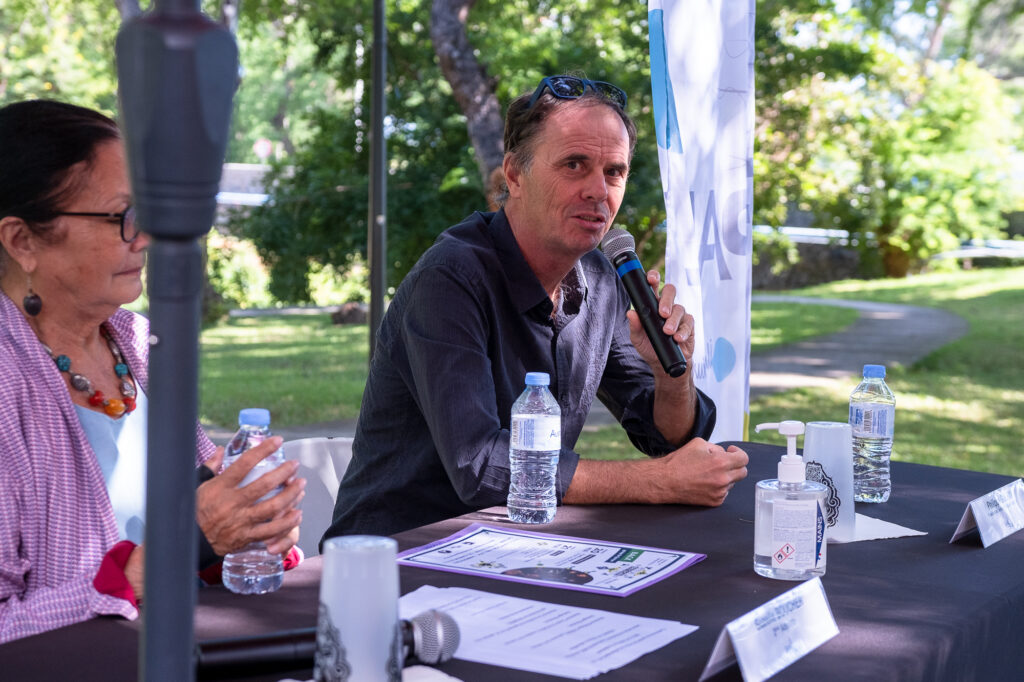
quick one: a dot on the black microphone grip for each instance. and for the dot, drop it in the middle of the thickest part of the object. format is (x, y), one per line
(645, 303)
(275, 651)
(430, 637)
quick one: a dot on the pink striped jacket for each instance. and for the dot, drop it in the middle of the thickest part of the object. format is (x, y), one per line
(56, 522)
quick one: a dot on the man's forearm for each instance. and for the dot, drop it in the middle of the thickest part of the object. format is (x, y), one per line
(611, 482)
(697, 473)
(675, 405)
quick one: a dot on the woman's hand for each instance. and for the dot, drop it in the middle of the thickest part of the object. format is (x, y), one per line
(231, 517)
(134, 571)
(282, 545)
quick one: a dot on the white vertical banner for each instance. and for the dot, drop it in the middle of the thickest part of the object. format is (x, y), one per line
(702, 79)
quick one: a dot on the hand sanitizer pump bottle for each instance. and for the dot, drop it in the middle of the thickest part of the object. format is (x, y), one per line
(789, 517)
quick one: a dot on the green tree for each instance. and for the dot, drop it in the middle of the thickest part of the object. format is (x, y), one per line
(280, 87)
(830, 85)
(914, 180)
(319, 209)
(801, 46)
(909, 153)
(58, 49)
(320, 204)
(64, 49)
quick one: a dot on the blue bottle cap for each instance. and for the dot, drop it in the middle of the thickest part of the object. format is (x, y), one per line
(538, 379)
(254, 416)
(874, 371)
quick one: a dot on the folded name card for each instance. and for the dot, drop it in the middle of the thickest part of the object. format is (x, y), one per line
(775, 635)
(995, 515)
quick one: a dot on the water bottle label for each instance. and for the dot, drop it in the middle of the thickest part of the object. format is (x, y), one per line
(536, 432)
(871, 420)
(264, 467)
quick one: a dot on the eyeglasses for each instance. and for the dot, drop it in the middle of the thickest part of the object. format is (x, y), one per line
(129, 228)
(571, 87)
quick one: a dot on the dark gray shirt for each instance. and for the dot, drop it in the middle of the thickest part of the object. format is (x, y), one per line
(465, 326)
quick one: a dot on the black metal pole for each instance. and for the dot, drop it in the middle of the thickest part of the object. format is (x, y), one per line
(377, 228)
(175, 281)
(177, 72)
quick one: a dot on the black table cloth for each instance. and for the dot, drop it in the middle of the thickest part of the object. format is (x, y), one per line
(914, 608)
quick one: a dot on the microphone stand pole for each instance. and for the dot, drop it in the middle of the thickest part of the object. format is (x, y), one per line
(376, 243)
(177, 73)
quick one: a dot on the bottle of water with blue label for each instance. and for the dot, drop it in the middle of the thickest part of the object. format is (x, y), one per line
(534, 443)
(253, 570)
(872, 411)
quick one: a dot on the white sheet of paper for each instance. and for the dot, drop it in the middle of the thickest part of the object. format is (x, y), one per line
(412, 673)
(995, 514)
(536, 636)
(868, 528)
(776, 634)
(423, 673)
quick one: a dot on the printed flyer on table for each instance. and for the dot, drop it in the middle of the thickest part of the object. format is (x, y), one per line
(553, 560)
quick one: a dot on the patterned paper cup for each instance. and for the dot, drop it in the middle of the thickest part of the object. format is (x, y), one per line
(358, 637)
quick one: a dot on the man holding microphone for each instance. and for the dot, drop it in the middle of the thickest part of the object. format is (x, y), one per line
(523, 289)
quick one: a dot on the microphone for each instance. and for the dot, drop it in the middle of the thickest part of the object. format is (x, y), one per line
(430, 637)
(619, 248)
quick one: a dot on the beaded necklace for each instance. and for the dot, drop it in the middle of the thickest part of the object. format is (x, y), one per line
(112, 407)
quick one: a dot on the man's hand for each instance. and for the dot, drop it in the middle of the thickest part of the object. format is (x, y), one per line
(678, 324)
(675, 399)
(231, 517)
(697, 473)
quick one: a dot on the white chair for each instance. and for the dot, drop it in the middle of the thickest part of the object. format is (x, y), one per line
(322, 462)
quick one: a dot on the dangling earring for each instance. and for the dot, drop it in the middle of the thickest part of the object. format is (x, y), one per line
(32, 303)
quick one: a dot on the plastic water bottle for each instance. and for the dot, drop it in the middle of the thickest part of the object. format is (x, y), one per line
(872, 411)
(253, 570)
(536, 439)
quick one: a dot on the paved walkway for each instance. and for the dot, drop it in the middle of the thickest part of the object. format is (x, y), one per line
(885, 333)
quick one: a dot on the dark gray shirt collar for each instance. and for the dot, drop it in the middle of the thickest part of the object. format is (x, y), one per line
(526, 289)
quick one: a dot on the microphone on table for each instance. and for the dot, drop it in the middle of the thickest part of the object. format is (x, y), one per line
(619, 248)
(430, 637)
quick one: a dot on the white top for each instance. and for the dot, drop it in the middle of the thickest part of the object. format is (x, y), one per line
(120, 447)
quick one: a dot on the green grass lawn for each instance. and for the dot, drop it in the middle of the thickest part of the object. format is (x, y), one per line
(962, 406)
(307, 370)
(302, 367)
(776, 324)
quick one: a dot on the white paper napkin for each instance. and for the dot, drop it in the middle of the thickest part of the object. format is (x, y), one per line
(868, 528)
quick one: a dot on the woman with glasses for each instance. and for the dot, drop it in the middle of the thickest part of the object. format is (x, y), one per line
(73, 384)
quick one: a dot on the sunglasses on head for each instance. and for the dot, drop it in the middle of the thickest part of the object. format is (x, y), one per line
(571, 87)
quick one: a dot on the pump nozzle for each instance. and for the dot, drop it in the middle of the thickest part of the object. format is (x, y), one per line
(791, 467)
(786, 428)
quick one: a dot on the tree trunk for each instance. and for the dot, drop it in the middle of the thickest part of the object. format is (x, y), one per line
(939, 32)
(895, 261)
(280, 119)
(229, 10)
(934, 45)
(473, 89)
(128, 9)
(228, 14)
